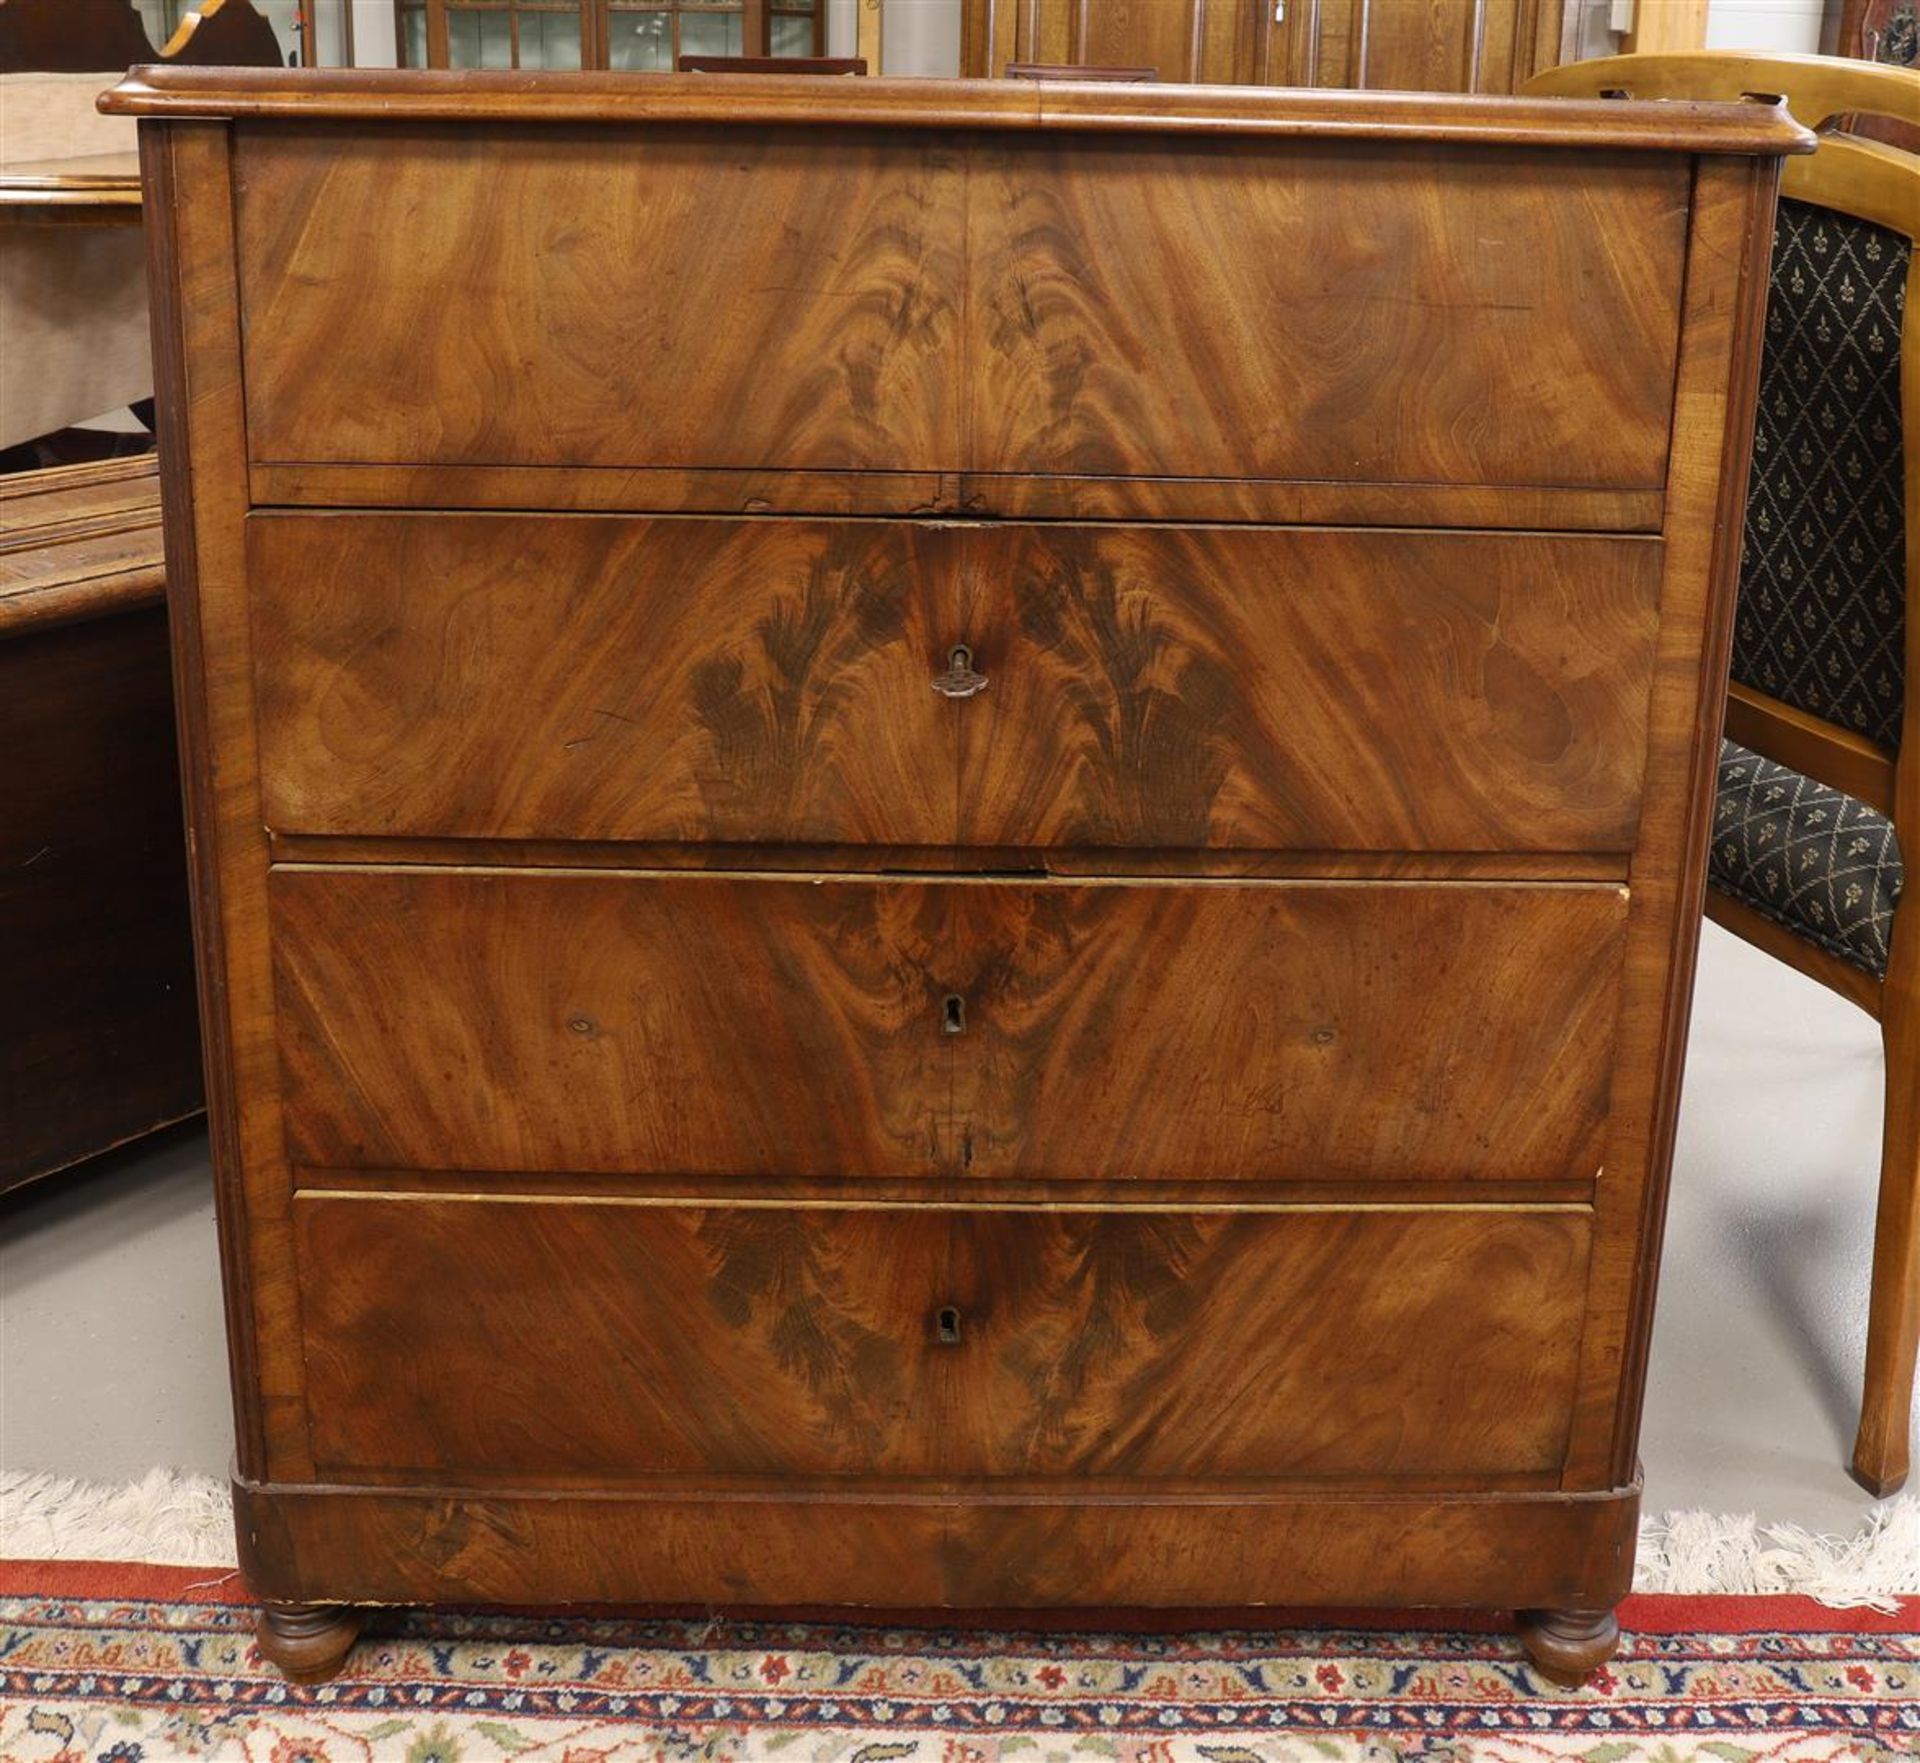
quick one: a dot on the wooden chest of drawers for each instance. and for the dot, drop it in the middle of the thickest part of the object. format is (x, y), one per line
(948, 837)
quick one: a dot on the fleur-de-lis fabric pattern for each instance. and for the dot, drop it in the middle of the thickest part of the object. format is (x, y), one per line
(1807, 856)
(1821, 623)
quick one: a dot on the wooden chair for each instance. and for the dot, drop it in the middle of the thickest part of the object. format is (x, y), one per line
(1887, 31)
(224, 33)
(1819, 784)
(832, 65)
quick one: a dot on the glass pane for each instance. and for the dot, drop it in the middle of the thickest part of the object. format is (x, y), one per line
(550, 39)
(792, 33)
(414, 21)
(640, 42)
(496, 40)
(463, 39)
(328, 45)
(710, 33)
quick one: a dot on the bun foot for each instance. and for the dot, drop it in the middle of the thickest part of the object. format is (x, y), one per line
(1567, 1646)
(309, 1642)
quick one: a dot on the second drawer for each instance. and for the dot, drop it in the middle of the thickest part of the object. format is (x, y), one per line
(773, 682)
(717, 1026)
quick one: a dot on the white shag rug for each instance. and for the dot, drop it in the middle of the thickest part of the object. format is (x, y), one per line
(186, 1520)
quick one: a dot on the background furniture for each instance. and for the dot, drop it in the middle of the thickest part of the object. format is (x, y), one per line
(60, 36)
(1444, 45)
(832, 66)
(1049, 70)
(1101, 1027)
(1819, 792)
(634, 36)
(1888, 32)
(98, 1036)
(73, 290)
(73, 301)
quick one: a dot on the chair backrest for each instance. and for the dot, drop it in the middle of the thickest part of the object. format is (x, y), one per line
(1880, 30)
(101, 36)
(224, 33)
(832, 65)
(1826, 661)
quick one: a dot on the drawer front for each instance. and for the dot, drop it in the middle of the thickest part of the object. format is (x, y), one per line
(843, 302)
(772, 682)
(709, 1025)
(1358, 313)
(681, 297)
(747, 1342)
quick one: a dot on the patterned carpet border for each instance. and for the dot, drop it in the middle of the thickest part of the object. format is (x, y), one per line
(118, 1664)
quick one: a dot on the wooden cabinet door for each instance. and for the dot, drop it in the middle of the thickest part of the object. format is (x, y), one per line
(1419, 45)
(1382, 45)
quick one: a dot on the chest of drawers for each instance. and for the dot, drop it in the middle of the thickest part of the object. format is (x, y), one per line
(947, 838)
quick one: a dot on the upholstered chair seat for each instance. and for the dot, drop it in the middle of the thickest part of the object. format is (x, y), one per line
(1815, 861)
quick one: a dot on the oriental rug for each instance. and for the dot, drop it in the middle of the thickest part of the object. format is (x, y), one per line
(124, 1663)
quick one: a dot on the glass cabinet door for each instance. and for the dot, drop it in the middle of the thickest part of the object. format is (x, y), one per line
(629, 36)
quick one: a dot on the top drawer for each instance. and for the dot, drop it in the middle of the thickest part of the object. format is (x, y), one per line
(692, 300)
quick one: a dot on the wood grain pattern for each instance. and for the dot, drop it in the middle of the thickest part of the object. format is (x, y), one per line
(186, 170)
(1304, 690)
(1070, 293)
(1527, 311)
(79, 542)
(924, 298)
(886, 1550)
(1088, 1345)
(708, 1024)
(495, 678)
(1713, 415)
(613, 679)
(575, 293)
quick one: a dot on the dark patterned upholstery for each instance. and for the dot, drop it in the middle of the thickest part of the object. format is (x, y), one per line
(1822, 617)
(1822, 864)
(1900, 41)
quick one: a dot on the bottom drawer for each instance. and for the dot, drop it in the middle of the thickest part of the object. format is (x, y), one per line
(469, 1338)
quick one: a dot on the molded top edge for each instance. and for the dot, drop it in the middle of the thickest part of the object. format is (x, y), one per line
(375, 95)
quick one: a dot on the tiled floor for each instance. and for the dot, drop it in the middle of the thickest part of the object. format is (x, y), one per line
(112, 1352)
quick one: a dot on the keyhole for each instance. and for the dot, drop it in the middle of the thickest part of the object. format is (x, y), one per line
(946, 1326)
(953, 1014)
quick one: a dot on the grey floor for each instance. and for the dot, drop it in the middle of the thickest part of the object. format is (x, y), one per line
(112, 1356)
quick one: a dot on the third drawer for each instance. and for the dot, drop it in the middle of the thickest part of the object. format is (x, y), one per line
(771, 682)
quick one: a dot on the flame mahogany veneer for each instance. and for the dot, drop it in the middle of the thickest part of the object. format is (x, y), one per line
(947, 837)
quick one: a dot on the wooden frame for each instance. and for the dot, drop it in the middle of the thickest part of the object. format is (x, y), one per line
(1872, 181)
